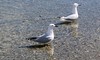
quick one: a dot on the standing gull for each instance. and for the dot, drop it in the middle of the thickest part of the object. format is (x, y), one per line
(70, 18)
(45, 38)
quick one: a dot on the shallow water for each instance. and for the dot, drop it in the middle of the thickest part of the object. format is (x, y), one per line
(20, 19)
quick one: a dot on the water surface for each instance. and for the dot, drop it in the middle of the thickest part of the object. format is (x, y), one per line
(20, 19)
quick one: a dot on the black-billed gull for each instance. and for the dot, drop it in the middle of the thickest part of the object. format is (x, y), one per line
(45, 38)
(70, 18)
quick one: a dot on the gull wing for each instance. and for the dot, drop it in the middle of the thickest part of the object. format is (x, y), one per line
(43, 39)
(70, 17)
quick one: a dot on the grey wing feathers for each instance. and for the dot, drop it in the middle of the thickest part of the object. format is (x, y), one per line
(43, 39)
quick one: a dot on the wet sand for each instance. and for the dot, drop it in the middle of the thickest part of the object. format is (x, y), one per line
(20, 19)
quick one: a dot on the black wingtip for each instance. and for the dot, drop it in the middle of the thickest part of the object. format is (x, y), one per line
(31, 38)
(58, 17)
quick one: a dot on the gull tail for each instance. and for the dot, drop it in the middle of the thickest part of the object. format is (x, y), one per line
(31, 38)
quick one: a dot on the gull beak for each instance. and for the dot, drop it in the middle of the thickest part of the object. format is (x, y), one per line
(56, 25)
(79, 5)
(59, 17)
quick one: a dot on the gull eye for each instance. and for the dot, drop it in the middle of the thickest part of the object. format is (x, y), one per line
(52, 25)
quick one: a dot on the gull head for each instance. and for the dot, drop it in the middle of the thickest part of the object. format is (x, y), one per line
(52, 25)
(76, 4)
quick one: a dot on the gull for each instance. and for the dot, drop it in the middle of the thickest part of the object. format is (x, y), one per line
(70, 18)
(46, 37)
(74, 14)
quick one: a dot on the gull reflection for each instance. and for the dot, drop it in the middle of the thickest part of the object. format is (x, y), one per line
(48, 48)
(74, 28)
